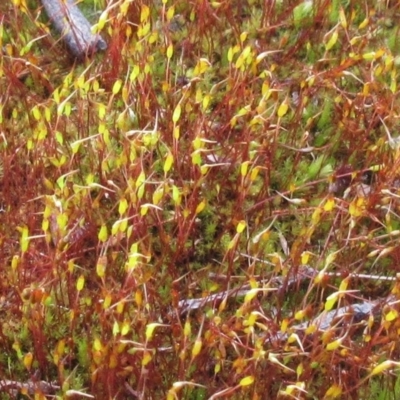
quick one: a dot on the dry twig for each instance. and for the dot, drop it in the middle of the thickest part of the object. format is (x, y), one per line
(75, 29)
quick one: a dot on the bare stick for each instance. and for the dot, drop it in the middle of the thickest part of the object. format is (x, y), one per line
(14, 387)
(75, 29)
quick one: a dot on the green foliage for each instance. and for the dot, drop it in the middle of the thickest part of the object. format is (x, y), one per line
(303, 14)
